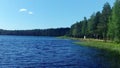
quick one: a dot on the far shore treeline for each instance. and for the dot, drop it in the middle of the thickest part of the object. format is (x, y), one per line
(103, 24)
(36, 32)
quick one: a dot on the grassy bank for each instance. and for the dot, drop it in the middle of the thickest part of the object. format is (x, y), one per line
(100, 44)
(110, 50)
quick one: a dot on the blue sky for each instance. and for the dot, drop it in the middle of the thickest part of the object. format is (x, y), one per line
(43, 14)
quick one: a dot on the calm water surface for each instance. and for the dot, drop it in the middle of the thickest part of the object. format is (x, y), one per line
(47, 52)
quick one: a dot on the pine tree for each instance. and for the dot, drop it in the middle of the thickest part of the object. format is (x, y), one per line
(84, 27)
(111, 28)
(116, 20)
(90, 25)
(98, 26)
(106, 12)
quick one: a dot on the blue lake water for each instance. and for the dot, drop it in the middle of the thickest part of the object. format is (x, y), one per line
(47, 52)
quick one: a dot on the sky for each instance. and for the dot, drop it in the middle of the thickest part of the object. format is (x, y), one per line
(43, 14)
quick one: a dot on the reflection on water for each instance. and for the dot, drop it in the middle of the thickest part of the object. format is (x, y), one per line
(47, 52)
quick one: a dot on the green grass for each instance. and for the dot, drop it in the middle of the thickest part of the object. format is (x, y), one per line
(111, 50)
(101, 45)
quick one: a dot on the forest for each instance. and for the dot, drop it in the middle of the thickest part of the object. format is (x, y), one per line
(103, 24)
(36, 32)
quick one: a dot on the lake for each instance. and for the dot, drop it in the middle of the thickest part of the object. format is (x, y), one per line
(47, 52)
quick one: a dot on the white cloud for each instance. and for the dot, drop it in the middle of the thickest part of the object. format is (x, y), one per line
(23, 10)
(26, 10)
(30, 12)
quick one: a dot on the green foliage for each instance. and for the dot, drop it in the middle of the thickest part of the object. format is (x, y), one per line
(110, 50)
(114, 23)
(111, 29)
(76, 29)
(84, 26)
(37, 32)
(97, 26)
(79, 29)
(116, 20)
(106, 12)
(91, 24)
(101, 25)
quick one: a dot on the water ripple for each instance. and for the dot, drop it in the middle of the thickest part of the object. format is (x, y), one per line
(46, 52)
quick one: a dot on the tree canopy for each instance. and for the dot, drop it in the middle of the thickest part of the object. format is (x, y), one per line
(103, 24)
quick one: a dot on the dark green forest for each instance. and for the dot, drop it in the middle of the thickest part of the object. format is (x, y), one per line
(37, 32)
(103, 24)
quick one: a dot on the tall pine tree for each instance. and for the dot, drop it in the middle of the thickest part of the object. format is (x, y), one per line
(116, 21)
(84, 27)
(106, 12)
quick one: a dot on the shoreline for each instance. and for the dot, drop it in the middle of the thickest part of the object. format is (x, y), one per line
(111, 49)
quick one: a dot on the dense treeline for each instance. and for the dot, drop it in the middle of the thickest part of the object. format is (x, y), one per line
(101, 25)
(37, 32)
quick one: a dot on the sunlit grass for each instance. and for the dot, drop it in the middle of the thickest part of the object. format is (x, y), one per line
(101, 45)
(111, 50)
